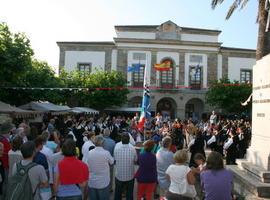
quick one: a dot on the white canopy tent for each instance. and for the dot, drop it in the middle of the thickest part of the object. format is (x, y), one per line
(84, 110)
(46, 107)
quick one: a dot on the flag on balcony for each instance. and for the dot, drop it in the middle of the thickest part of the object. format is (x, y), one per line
(164, 66)
(145, 111)
(134, 68)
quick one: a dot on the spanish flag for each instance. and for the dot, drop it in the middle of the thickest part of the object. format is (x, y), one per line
(164, 66)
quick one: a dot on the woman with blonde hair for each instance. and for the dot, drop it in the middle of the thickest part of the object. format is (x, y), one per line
(181, 177)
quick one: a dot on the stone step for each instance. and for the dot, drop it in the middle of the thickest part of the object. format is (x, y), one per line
(247, 185)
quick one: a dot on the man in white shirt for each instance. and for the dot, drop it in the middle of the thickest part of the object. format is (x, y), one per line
(131, 141)
(99, 161)
(87, 144)
(125, 158)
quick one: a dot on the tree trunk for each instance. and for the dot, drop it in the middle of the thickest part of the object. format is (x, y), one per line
(263, 45)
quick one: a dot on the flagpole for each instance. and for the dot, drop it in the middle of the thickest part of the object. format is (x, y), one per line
(145, 102)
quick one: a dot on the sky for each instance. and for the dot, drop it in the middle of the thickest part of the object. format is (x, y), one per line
(47, 21)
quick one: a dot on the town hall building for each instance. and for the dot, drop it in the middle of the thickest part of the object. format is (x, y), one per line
(196, 56)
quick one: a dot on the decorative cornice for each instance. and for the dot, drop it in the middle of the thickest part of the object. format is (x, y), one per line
(169, 42)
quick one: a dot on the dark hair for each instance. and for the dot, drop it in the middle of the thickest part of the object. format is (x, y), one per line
(28, 149)
(69, 148)
(125, 138)
(69, 123)
(16, 143)
(69, 136)
(39, 141)
(89, 135)
(199, 156)
(148, 145)
(214, 161)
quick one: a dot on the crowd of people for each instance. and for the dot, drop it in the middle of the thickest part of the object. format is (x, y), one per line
(75, 158)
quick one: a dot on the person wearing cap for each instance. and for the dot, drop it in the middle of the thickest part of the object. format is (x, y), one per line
(5, 147)
(99, 161)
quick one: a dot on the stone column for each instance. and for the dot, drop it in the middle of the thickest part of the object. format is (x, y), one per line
(259, 152)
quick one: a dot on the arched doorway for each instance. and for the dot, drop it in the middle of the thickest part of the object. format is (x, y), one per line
(135, 102)
(166, 107)
(194, 109)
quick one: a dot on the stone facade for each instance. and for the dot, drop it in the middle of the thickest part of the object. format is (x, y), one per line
(187, 48)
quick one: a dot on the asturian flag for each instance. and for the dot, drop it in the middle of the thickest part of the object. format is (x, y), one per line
(145, 112)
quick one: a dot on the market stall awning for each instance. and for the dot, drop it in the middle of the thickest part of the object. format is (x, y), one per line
(84, 110)
(45, 107)
(124, 109)
(18, 112)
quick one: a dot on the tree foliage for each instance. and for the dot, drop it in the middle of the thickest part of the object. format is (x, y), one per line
(263, 43)
(105, 89)
(18, 68)
(228, 96)
(15, 56)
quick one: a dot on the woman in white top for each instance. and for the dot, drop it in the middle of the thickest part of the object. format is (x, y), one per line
(15, 155)
(181, 177)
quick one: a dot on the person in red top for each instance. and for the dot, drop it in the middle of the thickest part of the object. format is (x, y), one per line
(71, 175)
(5, 146)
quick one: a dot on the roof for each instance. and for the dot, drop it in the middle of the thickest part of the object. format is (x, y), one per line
(8, 109)
(109, 43)
(237, 49)
(44, 107)
(84, 110)
(152, 28)
(124, 109)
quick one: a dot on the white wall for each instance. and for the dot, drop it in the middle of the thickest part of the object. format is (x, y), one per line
(199, 38)
(138, 35)
(173, 55)
(72, 58)
(235, 65)
(166, 46)
(114, 59)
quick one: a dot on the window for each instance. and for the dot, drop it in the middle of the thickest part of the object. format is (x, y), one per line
(139, 56)
(195, 77)
(85, 67)
(167, 78)
(138, 76)
(246, 76)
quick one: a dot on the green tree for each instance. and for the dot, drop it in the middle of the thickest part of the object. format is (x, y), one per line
(105, 89)
(15, 56)
(39, 75)
(227, 96)
(263, 43)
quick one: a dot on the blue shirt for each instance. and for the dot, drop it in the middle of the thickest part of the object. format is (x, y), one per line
(109, 144)
(164, 160)
(217, 184)
(147, 172)
(41, 159)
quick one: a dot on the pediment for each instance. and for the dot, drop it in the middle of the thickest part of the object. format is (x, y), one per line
(168, 30)
(169, 27)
